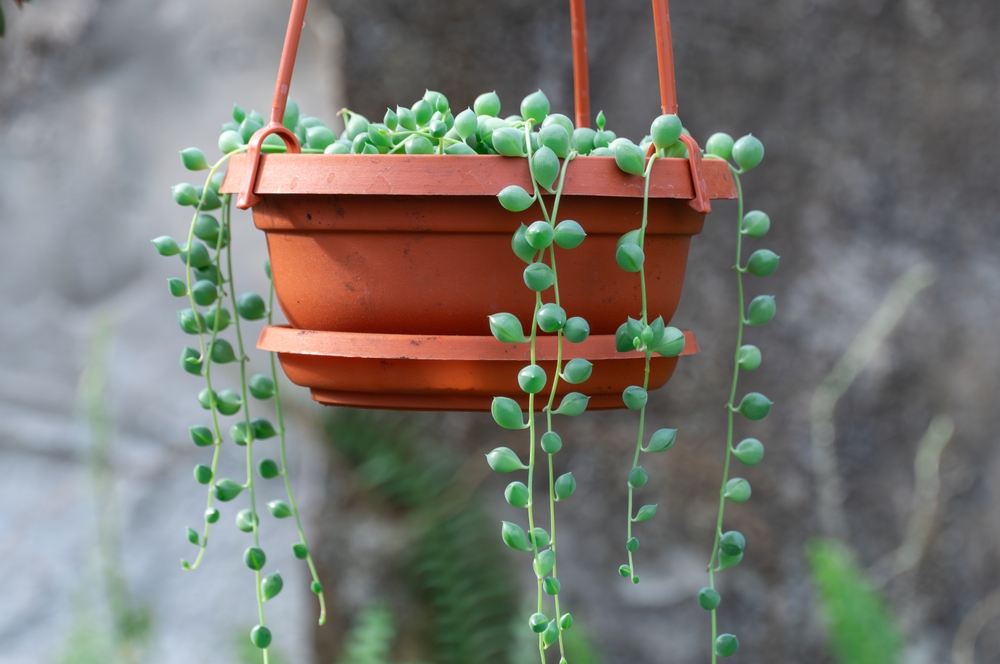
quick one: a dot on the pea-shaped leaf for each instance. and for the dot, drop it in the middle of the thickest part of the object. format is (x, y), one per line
(199, 256)
(166, 246)
(207, 397)
(629, 158)
(319, 137)
(202, 436)
(539, 235)
(749, 357)
(515, 199)
(229, 402)
(577, 371)
(538, 622)
(487, 103)
(720, 145)
(556, 138)
(671, 342)
(754, 406)
(726, 645)
(551, 442)
(217, 318)
(566, 621)
(755, 224)
(632, 544)
(531, 379)
(245, 521)
(248, 128)
(661, 440)
(544, 166)
(576, 330)
(260, 636)
(762, 263)
(761, 310)
(300, 551)
(645, 513)
(623, 340)
(459, 148)
(422, 112)
(584, 139)
(535, 107)
(551, 586)
(254, 558)
(191, 360)
(726, 560)
(665, 130)
(466, 123)
(708, 599)
(630, 257)
(565, 486)
(737, 490)
(251, 306)
(226, 489)
(261, 386)
(544, 563)
(211, 515)
(222, 352)
(732, 543)
(625, 571)
(241, 433)
(637, 477)
(192, 536)
(271, 585)
(230, 141)
(279, 509)
(572, 404)
(508, 142)
(507, 328)
(390, 120)
(514, 537)
(749, 452)
(748, 152)
(184, 194)
(206, 228)
(504, 459)
(538, 537)
(522, 248)
(419, 145)
(634, 397)
(203, 474)
(569, 234)
(268, 469)
(539, 277)
(516, 494)
(551, 633)
(507, 413)
(550, 317)
(193, 159)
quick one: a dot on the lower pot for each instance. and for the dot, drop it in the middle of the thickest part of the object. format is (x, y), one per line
(407, 372)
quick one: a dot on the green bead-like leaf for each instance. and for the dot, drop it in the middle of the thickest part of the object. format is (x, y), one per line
(522, 248)
(419, 145)
(260, 636)
(254, 558)
(551, 442)
(515, 198)
(637, 477)
(487, 103)
(550, 317)
(279, 509)
(459, 148)
(539, 235)
(630, 257)
(202, 436)
(507, 328)
(191, 361)
(720, 145)
(207, 397)
(726, 645)
(535, 107)
(507, 413)
(763, 263)
(229, 402)
(193, 159)
(268, 469)
(261, 386)
(754, 406)
(755, 224)
(540, 539)
(222, 352)
(245, 521)
(629, 158)
(544, 165)
(226, 489)
(625, 571)
(632, 544)
(176, 287)
(230, 141)
(566, 621)
(544, 563)
(634, 397)
(732, 543)
(645, 513)
(211, 515)
(576, 330)
(749, 357)
(761, 311)
(184, 194)
(166, 246)
(565, 486)
(600, 121)
(726, 561)
(749, 452)
(665, 130)
(539, 277)
(200, 257)
(551, 586)
(203, 474)
(516, 494)
(300, 551)
(262, 428)
(569, 234)
(671, 342)
(737, 490)
(514, 537)
(466, 123)
(556, 138)
(191, 322)
(251, 306)
(508, 142)
(531, 379)
(538, 622)
(217, 318)
(748, 152)
(661, 440)
(271, 585)
(584, 139)
(572, 404)
(577, 371)
(192, 536)
(504, 460)
(551, 633)
(708, 599)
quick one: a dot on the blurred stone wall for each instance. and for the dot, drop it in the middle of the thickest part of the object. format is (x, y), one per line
(879, 119)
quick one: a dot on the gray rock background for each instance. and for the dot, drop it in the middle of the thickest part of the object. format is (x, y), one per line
(879, 121)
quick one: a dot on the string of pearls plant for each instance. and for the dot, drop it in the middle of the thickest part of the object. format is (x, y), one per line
(548, 142)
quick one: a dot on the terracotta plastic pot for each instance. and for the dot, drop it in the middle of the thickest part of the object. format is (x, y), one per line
(377, 259)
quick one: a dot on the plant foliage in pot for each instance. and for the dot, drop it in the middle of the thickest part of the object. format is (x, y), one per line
(460, 261)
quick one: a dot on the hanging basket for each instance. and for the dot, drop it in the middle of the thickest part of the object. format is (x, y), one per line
(387, 266)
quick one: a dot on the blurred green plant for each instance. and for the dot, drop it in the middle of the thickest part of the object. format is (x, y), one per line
(860, 624)
(370, 639)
